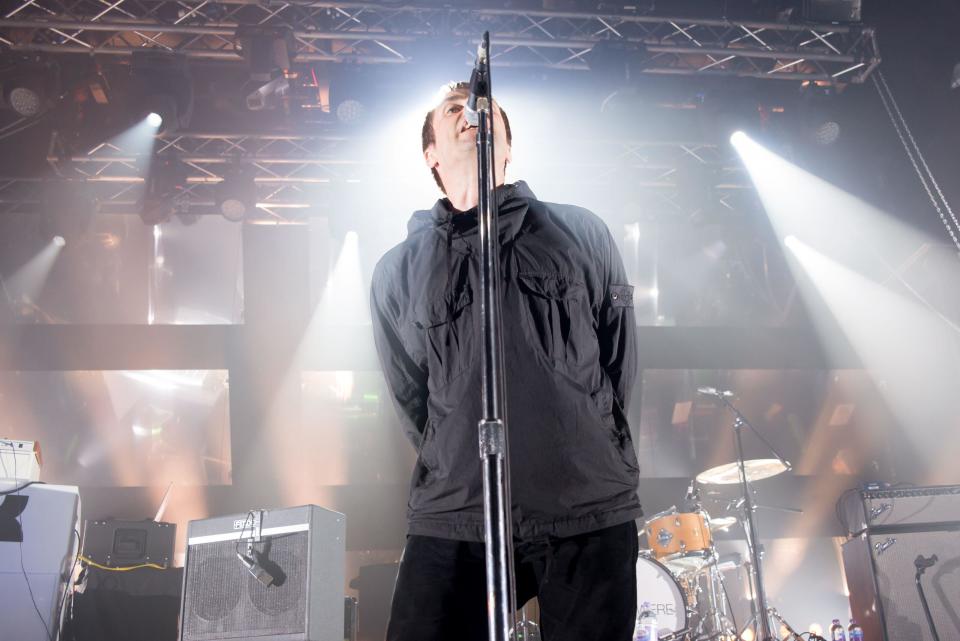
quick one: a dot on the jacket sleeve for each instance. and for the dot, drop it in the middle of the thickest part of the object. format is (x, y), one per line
(617, 325)
(406, 379)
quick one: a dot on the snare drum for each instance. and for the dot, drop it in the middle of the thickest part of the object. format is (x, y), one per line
(680, 539)
(659, 588)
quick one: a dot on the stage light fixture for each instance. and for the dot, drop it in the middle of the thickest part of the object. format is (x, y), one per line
(164, 186)
(350, 111)
(353, 92)
(28, 85)
(165, 84)
(723, 114)
(817, 116)
(236, 194)
(268, 52)
(59, 241)
(25, 94)
(25, 101)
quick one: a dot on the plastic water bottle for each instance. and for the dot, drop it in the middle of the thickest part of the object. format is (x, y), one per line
(646, 629)
(837, 633)
(854, 632)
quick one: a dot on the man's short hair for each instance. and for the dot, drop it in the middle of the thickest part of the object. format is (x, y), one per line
(428, 136)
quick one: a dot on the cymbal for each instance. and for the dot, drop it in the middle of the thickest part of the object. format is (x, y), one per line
(729, 473)
(722, 523)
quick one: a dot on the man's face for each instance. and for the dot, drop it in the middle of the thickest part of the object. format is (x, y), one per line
(455, 145)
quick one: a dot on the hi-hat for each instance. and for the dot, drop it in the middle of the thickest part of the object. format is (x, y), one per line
(729, 473)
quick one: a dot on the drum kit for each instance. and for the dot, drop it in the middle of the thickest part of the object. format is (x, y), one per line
(680, 574)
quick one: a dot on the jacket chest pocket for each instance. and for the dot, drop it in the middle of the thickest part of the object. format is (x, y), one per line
(447, 323)
(556, 316)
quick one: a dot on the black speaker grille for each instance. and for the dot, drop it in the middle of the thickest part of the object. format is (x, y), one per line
(224, 601)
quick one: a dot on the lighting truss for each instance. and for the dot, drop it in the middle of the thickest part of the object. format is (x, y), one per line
(395, 33)
(291, 171)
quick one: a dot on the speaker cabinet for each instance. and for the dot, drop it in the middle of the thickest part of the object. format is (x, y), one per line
(36, 525)
(125, 543)
(302, 549)
(883, 591)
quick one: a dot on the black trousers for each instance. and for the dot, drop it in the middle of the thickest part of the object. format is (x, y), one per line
(586, 586)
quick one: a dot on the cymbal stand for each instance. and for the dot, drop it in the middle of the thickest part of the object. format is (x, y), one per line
(761, 611)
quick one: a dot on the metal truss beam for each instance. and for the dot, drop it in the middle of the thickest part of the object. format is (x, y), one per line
(386, 33)
(291, 172)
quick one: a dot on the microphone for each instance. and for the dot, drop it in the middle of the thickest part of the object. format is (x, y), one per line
(692, 493)
(478, 82)
(253, 563)
(922, 563)
(713, 391)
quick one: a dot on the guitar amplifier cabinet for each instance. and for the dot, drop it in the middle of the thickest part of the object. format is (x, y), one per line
(902, 508)
(895, 527)
(303, 549)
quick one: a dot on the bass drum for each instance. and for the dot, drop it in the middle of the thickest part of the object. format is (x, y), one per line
(658, 587)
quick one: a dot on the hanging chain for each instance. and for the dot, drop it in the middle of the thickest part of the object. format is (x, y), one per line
(914, 153)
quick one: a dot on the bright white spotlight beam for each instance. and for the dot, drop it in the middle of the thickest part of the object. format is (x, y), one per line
(154, 119)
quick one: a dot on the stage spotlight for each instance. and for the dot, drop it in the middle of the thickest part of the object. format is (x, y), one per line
(59, 241)
(350, 111)
(166, 88)
(722, 115)
(23, 100)
(792, 242)
(236, 194)
(162, 112)
(353, 93)
(28, 85)
(826, 133)
(817, 114)
(738, 138)
(164, 186)
(268, 52)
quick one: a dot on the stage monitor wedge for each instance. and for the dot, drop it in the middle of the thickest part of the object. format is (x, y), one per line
(302, 550)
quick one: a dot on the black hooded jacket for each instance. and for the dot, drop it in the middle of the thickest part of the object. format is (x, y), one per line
(570, 360)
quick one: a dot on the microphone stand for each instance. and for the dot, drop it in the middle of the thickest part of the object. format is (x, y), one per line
(762, 612)
(498, 530)
(922, 564)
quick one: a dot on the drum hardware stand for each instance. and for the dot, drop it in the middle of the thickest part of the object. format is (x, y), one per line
(716, 615)
(791, 633)
(761, 611)
(492, 428)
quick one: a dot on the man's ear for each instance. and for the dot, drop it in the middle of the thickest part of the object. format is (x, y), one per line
(430, 156)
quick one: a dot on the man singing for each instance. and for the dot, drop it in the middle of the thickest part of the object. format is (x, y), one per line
(570, 361)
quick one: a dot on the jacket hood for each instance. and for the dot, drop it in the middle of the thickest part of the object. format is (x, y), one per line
(512, 200)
